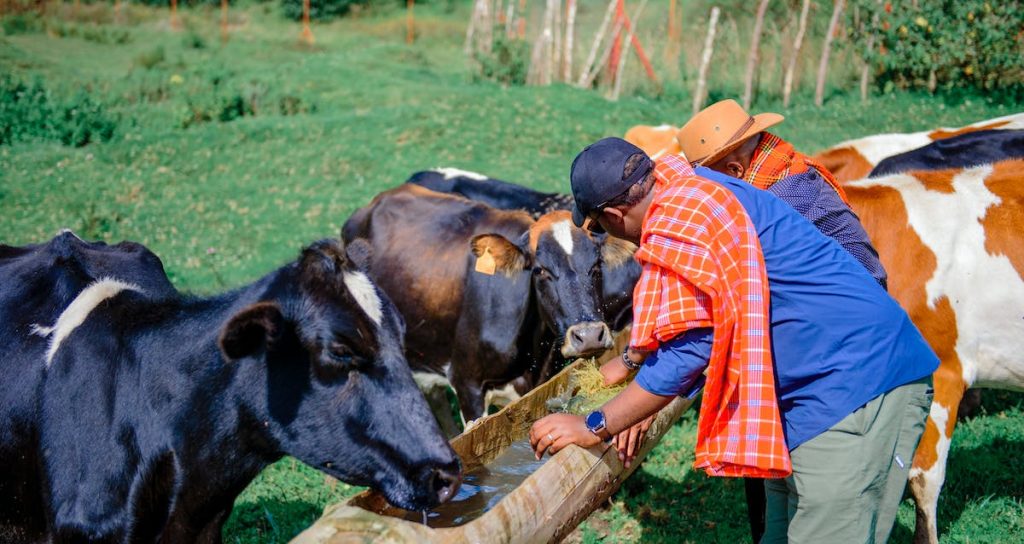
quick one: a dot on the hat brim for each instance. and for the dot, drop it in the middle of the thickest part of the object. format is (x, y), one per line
(762, 122)
(577, 216)
(585, 222)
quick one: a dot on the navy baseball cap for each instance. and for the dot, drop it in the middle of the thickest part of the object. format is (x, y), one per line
(596, 175)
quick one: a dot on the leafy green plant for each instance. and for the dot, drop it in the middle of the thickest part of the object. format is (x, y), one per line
(151, 58)
(29, 112)
(21, 23)
(508, 61)
(947, 44)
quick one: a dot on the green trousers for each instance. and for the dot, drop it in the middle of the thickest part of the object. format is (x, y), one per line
(847, 482)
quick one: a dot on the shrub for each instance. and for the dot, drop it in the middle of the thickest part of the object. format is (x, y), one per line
(222, 103)
(328, 9)
(948, 44)
(508, 61)
(21, 23)
(149, 59)
(29, 112)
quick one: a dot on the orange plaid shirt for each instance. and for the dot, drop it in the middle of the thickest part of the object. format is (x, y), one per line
(775, 159)
(703, 267)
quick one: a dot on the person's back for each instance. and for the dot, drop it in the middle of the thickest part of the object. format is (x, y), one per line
(833, 326)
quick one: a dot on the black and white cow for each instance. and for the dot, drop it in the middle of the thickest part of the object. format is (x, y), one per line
(139, 416)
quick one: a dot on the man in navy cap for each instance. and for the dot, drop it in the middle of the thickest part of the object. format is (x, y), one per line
(816, 379)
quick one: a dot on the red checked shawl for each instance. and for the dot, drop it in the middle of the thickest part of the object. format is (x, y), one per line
(703, 267)
(775, 159)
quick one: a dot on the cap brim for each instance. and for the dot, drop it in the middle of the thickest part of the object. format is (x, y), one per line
(762, 122)
(577, 216)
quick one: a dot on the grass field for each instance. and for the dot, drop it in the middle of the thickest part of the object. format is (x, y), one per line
(225, 202)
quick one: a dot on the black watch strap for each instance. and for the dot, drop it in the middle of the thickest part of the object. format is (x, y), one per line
(629, 362)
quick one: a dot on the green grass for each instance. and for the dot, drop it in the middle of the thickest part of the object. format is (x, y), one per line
(224, 203)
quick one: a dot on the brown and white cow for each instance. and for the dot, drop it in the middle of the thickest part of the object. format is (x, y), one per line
(950, 240)
(655, 141)
(488, 296)
(854, 159)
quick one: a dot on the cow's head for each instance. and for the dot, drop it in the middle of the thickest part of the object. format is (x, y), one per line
(565, 264)
(339, 393)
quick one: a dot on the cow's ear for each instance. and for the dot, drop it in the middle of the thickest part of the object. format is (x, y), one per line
(616, 251)
(322, 262)
(495, 253)
(359, 253)
(251, 330)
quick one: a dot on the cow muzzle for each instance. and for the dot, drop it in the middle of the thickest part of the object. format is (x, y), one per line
(586, 339)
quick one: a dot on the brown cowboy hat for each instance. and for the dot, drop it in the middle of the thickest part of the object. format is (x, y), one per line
(720, 128)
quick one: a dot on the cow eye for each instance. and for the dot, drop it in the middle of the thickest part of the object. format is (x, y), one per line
(542, 272)
(342, 355)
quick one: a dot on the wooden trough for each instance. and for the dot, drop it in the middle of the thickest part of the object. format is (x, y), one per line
(546, 507)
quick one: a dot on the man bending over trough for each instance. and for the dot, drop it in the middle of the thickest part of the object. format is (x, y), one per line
(815, 378)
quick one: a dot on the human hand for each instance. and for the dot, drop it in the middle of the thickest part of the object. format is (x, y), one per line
(614, 372)
(556, 431)
(628, 442)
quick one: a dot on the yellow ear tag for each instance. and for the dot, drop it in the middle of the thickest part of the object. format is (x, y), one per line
(485, 263)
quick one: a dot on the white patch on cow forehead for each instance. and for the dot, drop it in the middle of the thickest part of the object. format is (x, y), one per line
(450, 173)
(365, 294)
(563, 235)
(77, 312)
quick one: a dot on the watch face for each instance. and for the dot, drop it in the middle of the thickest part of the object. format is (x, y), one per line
(595, 421)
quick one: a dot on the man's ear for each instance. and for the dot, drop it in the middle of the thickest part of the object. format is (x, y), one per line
(496, 253)
(735, 169)
(251, 330)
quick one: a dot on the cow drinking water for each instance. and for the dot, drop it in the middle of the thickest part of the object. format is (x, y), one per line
(139, 417)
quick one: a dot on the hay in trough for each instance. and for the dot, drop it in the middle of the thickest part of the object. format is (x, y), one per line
(588, 390)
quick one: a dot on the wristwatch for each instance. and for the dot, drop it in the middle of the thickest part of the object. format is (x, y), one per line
(629, 362)
(596, 425)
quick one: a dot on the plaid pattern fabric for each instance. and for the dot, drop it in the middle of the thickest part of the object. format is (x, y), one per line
(775, 159)
(703, 267)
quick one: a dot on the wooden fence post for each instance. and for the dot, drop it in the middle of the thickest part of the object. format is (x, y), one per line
(307, 33)
(175, 22)
(865, 73)
(787, 83)
(752, 58)
(570, 35)
(705, 61)
(592, 56)
(819, 91)
(223, 21)
(410, 22)
(556, 44)
(617, 88)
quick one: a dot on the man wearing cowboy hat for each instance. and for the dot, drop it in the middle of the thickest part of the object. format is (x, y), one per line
(815, 377)
(725, 138)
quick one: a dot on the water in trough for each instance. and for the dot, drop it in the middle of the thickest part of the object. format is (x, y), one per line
(483, 487)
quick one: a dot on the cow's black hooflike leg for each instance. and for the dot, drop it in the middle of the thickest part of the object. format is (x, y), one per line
(471, 397)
